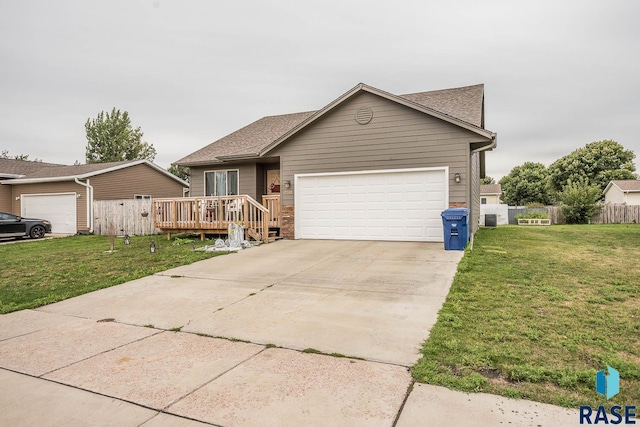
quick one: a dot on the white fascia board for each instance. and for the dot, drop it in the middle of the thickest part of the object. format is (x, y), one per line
(40, 180)
(10, 176)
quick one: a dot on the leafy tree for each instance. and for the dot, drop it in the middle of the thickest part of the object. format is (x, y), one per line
(180, 171)
(596, 164)
(487, 180)
(525, 184)
(579, 201)
(5, 155)
(112, 138)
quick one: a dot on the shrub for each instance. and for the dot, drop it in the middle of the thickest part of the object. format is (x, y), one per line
(579, 202)
(532, 215)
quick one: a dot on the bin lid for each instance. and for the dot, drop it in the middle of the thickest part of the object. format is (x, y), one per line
(455, 213)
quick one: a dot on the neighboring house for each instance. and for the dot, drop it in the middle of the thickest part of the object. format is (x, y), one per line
(625, 191)
(368, 166)
(490, 194)
(64, 194)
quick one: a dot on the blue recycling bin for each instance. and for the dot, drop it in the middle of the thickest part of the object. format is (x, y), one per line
(455, 222)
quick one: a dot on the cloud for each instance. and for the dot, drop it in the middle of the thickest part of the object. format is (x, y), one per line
(557, 75)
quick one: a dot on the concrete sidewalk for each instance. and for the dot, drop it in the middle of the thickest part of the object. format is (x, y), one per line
(248, 329)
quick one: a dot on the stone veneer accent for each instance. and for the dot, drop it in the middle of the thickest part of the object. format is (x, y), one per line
(288, 230)
(457, 205)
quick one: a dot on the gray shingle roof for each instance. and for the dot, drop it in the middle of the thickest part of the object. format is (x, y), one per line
(22, 167)
(29, 172)
(628, 184)
(73, 170)
(249, 140)
(491, 189)
(464, 103)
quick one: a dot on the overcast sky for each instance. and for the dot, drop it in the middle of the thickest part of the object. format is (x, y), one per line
(557, 74)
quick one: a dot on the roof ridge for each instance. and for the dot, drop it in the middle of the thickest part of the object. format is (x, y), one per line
(443, 90)
(462, 106)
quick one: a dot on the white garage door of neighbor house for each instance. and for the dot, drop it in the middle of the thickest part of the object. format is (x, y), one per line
(400, 205)
(60, 209)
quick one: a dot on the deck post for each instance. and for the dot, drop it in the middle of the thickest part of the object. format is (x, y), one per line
(197, 212)
(245, 212)
(265, 228)
(174, 206)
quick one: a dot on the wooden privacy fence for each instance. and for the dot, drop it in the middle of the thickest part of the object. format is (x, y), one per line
(127, 216)
(608, 214)
(613, 214)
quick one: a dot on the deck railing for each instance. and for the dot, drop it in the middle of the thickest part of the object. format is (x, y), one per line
(199, 214)
(272, 203)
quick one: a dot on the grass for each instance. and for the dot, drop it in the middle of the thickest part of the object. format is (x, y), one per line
(37, 273)
(534, 312)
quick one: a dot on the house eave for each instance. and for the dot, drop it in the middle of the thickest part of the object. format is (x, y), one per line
(218, 160)
(40, 180)
(94, 173)
(239, 157)
(11, 175)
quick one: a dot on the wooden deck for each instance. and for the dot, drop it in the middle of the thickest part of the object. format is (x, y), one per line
(214, 214)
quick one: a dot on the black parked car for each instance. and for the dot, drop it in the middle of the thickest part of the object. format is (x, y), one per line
(16, 226)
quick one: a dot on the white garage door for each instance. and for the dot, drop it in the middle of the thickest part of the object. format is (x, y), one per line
(401, 205)
(60, 209)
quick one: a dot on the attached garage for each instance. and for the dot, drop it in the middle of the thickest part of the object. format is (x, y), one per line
(59, 208)
(392, 205)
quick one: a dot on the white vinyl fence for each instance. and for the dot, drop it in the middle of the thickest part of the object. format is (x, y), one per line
(501, 212)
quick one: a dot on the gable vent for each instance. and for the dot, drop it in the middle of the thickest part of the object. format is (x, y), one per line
(364, 115)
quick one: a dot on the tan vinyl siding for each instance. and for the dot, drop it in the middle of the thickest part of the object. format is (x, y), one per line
(246, 178)
(5, 198)
(397, 137)
(139, 179)
(54, 187)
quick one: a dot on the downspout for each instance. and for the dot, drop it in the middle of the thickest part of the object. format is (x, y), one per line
(89, 188)
(494, 143)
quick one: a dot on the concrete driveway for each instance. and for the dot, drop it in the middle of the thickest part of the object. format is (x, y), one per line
(243, 339)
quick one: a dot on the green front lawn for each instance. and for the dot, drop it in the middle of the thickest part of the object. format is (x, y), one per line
(36, 273)
(534, 312)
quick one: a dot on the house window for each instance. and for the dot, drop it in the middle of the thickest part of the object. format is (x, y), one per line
(141, 197)
(221, 183)
(483, 200)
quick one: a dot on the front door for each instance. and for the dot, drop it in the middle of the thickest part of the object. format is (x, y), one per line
(273, 181)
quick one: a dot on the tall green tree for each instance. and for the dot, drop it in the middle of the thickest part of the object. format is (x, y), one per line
(180, 171)
(5, 155)
(487, 180)
(525, 184)
(112, 138)
(596, 164)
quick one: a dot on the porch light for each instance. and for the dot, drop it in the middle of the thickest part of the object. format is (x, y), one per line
(287, 184)
(456, 177)
(127, 239)
(152, 247)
